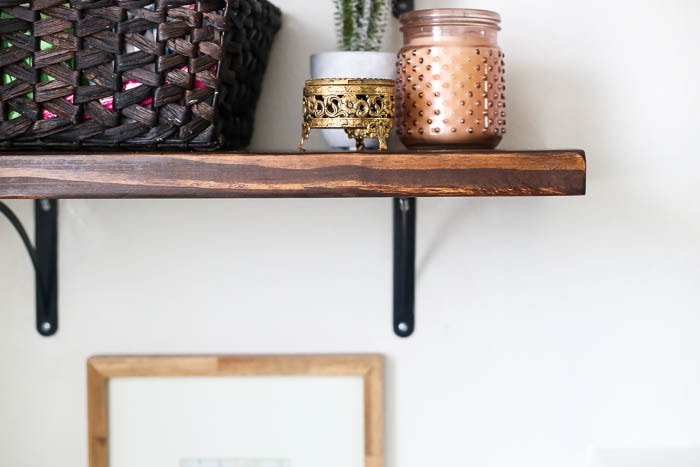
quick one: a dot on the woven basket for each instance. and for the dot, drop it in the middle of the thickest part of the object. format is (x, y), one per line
(132, 73)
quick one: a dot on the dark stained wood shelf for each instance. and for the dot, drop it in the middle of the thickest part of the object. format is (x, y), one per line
(267, 175)
(401, 175)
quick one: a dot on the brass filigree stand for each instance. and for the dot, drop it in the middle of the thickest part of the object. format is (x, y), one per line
(363, 107)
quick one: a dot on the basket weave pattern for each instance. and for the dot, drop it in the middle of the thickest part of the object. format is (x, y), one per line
(134, 73)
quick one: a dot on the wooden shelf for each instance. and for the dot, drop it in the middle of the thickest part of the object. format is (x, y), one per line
(266, 175)
(403, 176)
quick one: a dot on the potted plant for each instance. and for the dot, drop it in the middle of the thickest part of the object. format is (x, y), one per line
(360, 27)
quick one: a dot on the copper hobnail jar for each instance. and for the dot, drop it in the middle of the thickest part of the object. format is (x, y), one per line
(450, 87)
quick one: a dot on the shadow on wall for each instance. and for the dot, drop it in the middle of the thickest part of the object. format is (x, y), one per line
(636, 219)
(278, 117)
(545, 105)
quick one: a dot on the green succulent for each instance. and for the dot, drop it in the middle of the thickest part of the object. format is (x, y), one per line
(360, 24)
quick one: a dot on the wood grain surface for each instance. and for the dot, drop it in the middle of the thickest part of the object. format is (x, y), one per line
(240, 175)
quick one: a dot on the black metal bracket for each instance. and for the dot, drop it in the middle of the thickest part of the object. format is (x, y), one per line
(401, 6)
(44, 256)
(45, 259)
(404, 265)
(46, 239)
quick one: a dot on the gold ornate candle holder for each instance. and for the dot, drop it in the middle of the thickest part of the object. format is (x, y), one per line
(364, 108)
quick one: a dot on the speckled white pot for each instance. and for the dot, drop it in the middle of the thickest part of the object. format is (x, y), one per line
(341, 64)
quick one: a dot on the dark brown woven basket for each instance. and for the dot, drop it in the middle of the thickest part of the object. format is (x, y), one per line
(132, 73)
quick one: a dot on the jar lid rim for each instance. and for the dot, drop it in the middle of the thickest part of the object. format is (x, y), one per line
(451, 14)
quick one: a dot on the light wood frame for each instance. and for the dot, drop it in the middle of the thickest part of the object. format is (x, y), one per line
(100, 369)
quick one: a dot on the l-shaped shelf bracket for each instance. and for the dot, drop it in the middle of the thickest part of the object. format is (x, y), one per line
(44, 256)
(46, 265)
(404, 265)
(398, 7)
(46, 239)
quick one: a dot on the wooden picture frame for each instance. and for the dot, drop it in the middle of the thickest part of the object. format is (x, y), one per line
(101, 370)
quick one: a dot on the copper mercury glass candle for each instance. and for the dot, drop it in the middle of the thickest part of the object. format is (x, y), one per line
(450, 87)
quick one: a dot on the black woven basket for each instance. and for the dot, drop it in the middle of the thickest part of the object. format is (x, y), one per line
(133, 73)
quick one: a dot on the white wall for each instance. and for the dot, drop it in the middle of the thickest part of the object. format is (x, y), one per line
(550, 331)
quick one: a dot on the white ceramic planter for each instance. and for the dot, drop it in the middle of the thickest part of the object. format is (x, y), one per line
(360, 64)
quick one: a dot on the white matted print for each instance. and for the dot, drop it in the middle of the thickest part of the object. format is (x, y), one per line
(235, 463)
(156, 422)
(645, 456)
